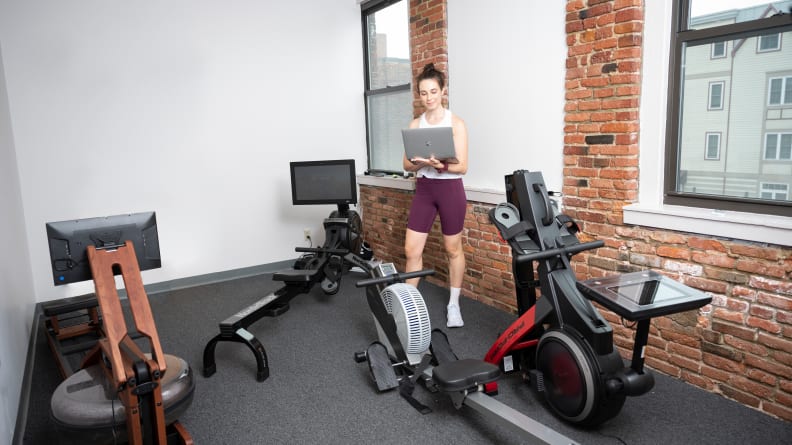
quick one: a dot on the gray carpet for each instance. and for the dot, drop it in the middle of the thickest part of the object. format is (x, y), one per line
(317, 393)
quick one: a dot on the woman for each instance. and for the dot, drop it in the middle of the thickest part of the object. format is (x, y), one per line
(438, 189)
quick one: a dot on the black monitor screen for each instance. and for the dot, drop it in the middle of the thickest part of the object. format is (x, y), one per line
(647, 292)
(68, 241)
(643, 294)
(324, 182)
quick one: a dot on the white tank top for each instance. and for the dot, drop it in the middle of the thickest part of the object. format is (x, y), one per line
(429, 172)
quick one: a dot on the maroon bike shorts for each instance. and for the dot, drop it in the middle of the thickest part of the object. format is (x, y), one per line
(443, 196)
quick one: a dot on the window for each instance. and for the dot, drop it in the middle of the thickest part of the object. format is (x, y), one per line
(388, 91)
(778, 147)
(753, 143)
(715, 96)
(770, 42)
(780, 91)
(713, 146)
(718, 50)
(775, 191)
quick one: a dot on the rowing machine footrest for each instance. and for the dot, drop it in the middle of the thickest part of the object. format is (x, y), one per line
(463, 374)
(381, 367)
(295, 275)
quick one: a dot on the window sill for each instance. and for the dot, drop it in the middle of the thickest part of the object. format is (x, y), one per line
(735, 225)
(486, 196)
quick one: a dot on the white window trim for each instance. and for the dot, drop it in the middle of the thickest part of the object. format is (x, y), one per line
(722, 94)
(707, 147)
(763, 184)
(650, 210)
(782, 101)
(768, 50)
(717, 56)
(779, 137)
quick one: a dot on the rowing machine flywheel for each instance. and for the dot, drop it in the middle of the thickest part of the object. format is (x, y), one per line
(574, 378)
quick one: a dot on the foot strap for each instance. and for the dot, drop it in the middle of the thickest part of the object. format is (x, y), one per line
(407, 386)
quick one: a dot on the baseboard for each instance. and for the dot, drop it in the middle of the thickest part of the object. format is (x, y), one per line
(24, 394)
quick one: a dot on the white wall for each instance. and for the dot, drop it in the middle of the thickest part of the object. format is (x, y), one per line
(192, 109)
(16, 283)
(506, 63)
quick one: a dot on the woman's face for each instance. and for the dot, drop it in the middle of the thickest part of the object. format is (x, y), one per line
(430, 93)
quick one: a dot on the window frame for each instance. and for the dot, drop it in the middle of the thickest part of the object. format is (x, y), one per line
(783, 101)
(680, 36)
(713, 54)
(779, 139)
(722, 85)
(761, 38)
(707, 136)
(368, 8)
(762, 186)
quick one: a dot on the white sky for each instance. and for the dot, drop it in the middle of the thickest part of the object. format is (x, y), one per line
(394, 22)
(702, 7)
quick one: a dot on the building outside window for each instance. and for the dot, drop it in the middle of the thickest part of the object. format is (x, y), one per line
(718, 50)
(770, 42)
(388, 91)
(713, 146)
(778, 147)
(780, 91)
(715, 96)
(775, 191)
(747, 165)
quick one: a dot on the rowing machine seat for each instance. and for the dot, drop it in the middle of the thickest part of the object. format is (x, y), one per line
(85, 409)
(460, 375)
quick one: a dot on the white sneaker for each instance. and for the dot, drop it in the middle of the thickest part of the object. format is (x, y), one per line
(454, 317)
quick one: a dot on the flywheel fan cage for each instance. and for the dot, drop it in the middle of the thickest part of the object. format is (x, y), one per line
(411, 315)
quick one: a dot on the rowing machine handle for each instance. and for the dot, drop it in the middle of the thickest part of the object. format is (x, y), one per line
(395, 278)
(573, 249)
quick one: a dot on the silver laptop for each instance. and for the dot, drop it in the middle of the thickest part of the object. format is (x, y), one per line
(425, 142)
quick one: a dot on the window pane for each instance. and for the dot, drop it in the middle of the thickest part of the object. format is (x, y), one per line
(718, 49)
(741, 96)
(713, 142)
(389, 47)
(785, 152)
(775, 91)
(768, 43)
(716, 93)
(737, 140)
(771, 143)
(788, 90)
(774, 191)
(710, 13)
(388, 114)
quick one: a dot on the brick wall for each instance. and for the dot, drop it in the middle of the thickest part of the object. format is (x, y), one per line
(740, 346)
(428, 33)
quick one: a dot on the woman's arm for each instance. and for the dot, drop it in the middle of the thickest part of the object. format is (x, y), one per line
(460, 145)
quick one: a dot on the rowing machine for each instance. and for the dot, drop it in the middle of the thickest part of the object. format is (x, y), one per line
(560, 341)
(408, 352)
